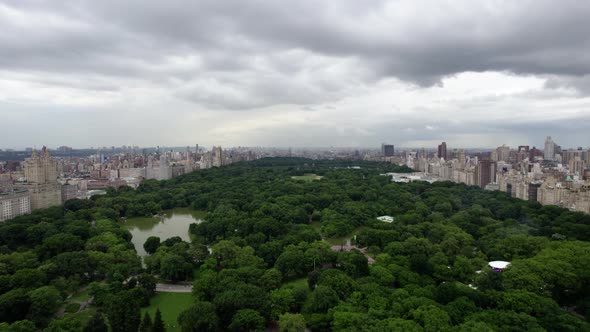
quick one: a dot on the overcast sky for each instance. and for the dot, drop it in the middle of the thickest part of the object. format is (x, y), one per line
(294, 73)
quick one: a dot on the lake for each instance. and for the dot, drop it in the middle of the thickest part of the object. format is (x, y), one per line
(174, 222)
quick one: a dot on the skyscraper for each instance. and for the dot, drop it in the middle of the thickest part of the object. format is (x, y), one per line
(442, 150)
(549, 151)
(165, 170)
(217, 156)
(461, 156)
(486, 172)
(41, 175)
(387, 150)
(503, 153)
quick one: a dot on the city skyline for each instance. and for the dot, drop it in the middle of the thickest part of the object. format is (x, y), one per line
(316, 74)
(399, 148)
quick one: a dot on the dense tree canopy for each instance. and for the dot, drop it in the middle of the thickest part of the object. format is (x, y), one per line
(265, 254)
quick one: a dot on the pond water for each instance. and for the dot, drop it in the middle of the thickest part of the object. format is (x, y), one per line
(174, 222)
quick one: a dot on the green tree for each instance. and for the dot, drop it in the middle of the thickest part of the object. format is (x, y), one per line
(291, 323)
(382, 275)
(320, 300)
(354, 263)
(72, 263)
(198, 252)
(146, 323)
(158, 322)
(271, 279)
(44, 302)
(398, 324)
(123, 312)
(290, 262)
(14, 305)
(96, 323)
(151, 244)
(59, 243)
(281, 301)
(240, 296)
(28, 278)
(247, 320)
(174, 267)
(200, 316)
(431, 318)
(19, 326)
(337, 280)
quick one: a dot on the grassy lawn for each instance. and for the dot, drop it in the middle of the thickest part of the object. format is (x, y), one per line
(72, 307)
(83, 316)
(307, 177)
(317, 226)
(335, 241)
(171, 305)
(297, 283)
(82, 296)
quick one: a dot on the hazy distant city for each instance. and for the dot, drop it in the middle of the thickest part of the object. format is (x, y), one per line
(33, 179)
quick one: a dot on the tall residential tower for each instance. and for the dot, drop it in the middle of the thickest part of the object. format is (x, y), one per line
(41, 180)
(442, 150)
(549, 151)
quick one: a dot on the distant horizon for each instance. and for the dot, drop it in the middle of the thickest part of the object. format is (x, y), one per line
(208, 147)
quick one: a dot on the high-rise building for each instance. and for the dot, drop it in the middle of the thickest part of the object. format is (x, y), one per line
(533, 189)
(165, 170)
(461, 156)
(217, 156)
(69, 191)
(576, 166)
(14, 203)
(442, 150)
(503, 153)
(549, 151)
(387, 150)
(41, 175)
(534, 152)
(486, 172)
(523, 148)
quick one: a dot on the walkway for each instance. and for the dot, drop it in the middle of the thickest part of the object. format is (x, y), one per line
(174, 288)
(348, 247)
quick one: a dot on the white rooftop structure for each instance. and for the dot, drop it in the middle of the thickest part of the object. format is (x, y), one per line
(410, 177)
(386, 219)
(499, 265)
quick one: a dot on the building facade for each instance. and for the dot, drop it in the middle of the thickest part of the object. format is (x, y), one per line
(442, 150)
(41, 180)
(14, 203)
(486, 172)
(387, 150)
(549, 151)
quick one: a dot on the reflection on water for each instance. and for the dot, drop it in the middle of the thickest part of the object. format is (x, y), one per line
(174, 222)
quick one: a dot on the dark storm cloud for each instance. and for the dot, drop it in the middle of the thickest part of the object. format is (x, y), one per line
(416, 41)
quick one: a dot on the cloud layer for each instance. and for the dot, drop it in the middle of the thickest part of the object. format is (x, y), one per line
(294, 73)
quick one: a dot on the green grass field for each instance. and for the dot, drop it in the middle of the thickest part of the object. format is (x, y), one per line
(82, 296)
(297, 283)
(171, 305)
(335, 241)
(307, 177)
